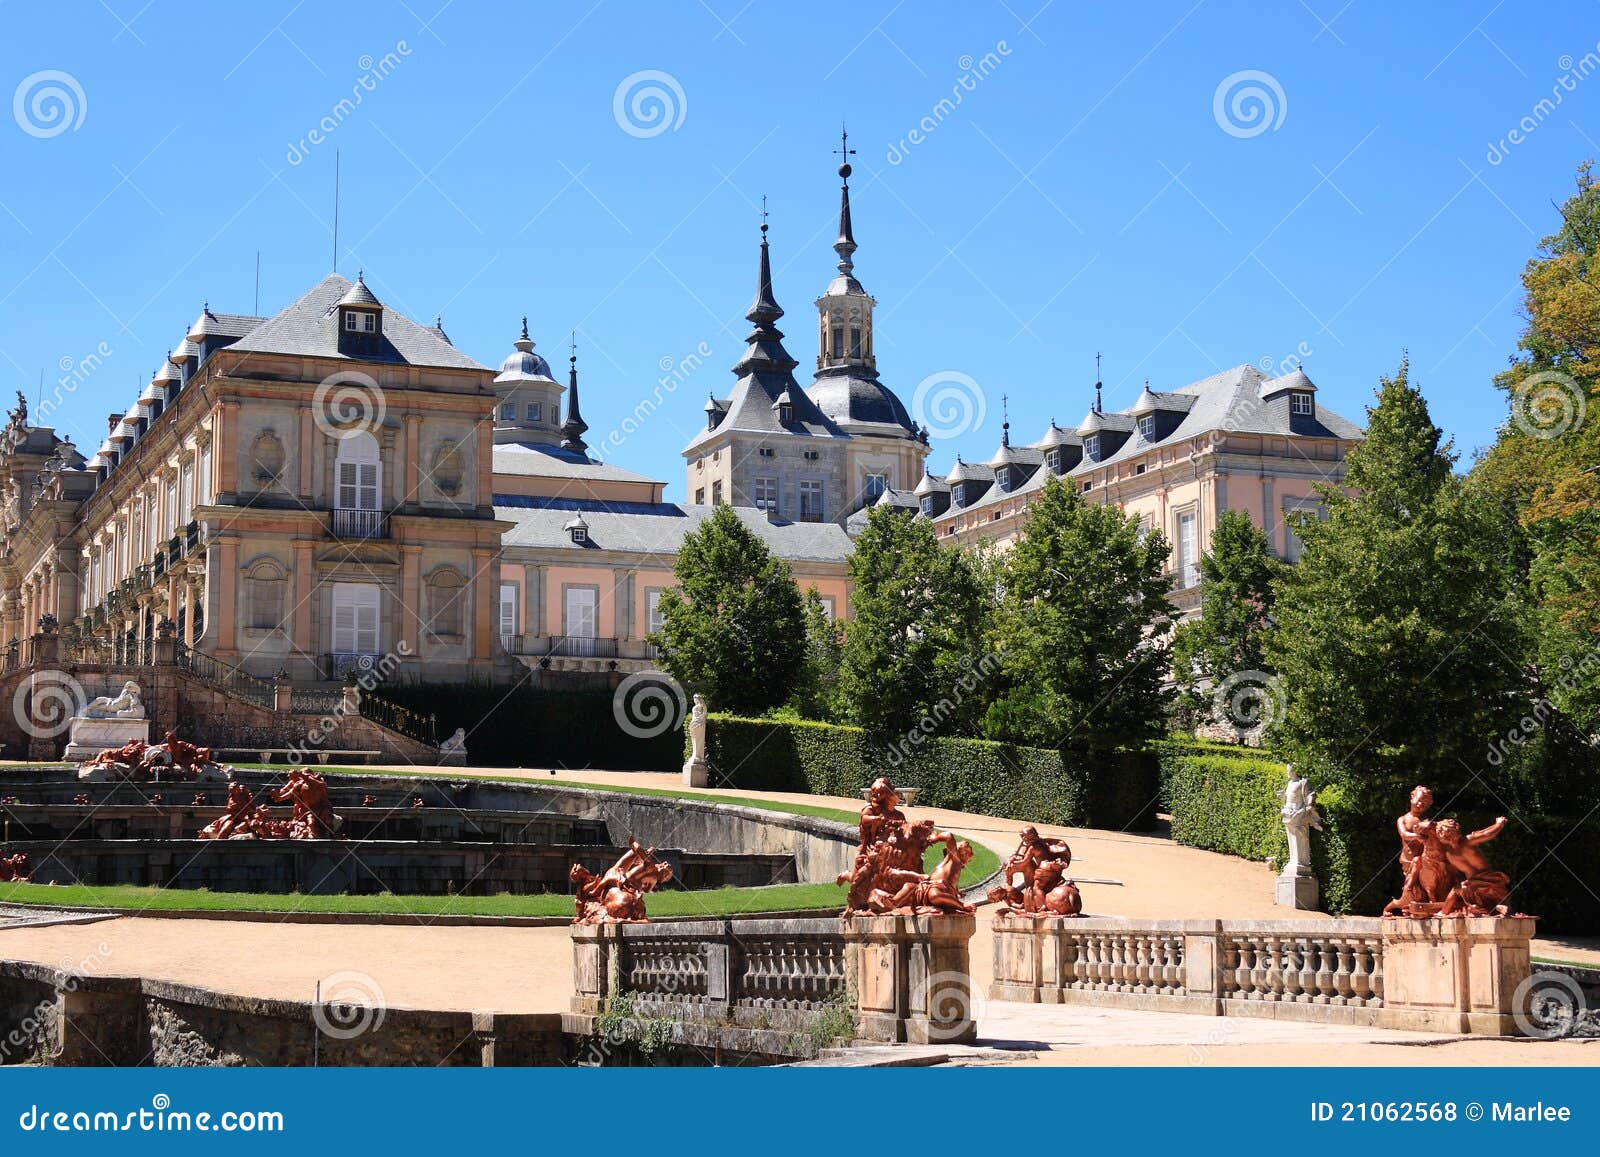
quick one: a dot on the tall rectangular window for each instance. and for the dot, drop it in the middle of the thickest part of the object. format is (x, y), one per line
(1188, 550)
(508, 614)
(810, 500)
(766, 494)
(876, 485)
(355, 618)
(838, 342)
(716, 494)
(654, 619)
(855, 341)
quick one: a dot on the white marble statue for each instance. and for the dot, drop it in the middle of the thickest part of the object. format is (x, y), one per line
(697, 730)
(124, 706)
(1300, 815)
(456, 744)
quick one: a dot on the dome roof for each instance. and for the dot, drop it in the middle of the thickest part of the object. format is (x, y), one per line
(851, 400)
(523, 365)
(1056, 436)
(167, 373)
(183, 351)
(1145, 403)
(931, 485)
(1093, 423)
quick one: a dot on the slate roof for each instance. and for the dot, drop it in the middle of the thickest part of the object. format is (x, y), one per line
(899, 499)
(1240, 400)
(545, 461)
(309, 327)
(655, 527)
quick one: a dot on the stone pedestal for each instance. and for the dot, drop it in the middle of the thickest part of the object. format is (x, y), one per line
(912, 977)
(697, 773)
(89, 737)
(1455, 975)
(1299, 892)
(452, 759)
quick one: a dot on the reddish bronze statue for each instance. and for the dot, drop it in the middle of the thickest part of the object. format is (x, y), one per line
(1034, 880)
(81, 799)
(173, 760)
(313, 811)
(617, 897)
(887, 876)
(240, 819)
(1444, 873)
(14, 868)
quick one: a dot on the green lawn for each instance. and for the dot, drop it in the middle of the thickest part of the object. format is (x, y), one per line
(716, 902)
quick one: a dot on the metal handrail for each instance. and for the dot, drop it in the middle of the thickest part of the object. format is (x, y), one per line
(412, 724)
(225, 676)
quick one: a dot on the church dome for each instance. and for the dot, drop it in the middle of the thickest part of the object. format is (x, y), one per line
(855, 401)
(523, 365)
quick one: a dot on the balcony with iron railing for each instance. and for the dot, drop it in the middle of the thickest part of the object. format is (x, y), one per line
(359, 524)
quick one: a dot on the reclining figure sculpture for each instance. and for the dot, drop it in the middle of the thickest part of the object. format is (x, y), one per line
(173, 760)
(617, 896)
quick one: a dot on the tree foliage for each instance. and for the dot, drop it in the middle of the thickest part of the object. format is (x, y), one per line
(1401, 636)
(1236, 601)
(733, 628)
(1080, 628)
(916, 626)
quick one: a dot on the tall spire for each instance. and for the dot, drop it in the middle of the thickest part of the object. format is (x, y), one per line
(764, 350)
(845, 246)
(1097, 407)
(573, 429)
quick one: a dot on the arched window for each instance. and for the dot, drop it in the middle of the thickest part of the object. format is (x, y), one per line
(447, 602)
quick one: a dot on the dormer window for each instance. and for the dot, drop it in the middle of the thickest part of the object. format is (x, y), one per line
(360, 321)
(1052, 461)
(1301, 405)
(1091, 447)
(1147, 427)
(580, 534)
(785, 412)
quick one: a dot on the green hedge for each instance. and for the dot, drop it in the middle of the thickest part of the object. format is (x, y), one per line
(530, 726)
(1226, 801)
(971, 775)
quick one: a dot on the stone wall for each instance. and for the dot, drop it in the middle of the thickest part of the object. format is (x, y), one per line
(70, 1020)
(1452, 975)
(732, 984)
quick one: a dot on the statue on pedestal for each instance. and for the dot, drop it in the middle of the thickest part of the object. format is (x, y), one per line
(617, 897)
(126, 705)
(887, 877)
(1297, 885)
(454, 749)
(1034, 881)
(697, 772)
(1445, 874)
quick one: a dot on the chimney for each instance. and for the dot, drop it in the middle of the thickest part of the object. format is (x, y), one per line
(111, 423)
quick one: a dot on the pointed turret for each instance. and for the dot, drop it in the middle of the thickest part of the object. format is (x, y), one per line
(763, 351)
(572, 430)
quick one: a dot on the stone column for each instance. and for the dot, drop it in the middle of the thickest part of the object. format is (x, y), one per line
(304, 613)
(410, 595)
(485, 584)
(411, 496)
(227, 556)
(912, 976)
(307, 441)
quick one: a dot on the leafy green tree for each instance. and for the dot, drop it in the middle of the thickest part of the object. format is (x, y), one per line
(1401, 635)
(1236, 599)
(1080, 628)
(733, 628)
(816, 693)
(916, 614)
(1542, 466)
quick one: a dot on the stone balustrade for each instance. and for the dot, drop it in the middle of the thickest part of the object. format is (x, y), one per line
(1433, 975)
(907, 978)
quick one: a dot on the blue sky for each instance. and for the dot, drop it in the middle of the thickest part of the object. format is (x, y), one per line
(1087, 193)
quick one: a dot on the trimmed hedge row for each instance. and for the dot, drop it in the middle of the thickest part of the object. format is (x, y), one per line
(972, 775)
(533, 727)
(1227, 801)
